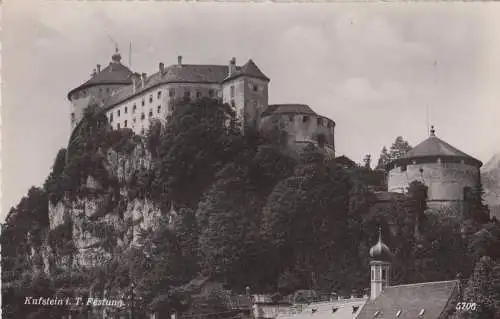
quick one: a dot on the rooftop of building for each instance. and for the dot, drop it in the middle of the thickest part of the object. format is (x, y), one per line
(115, 73)
(420, 300)
(341, 309)
(434, 147)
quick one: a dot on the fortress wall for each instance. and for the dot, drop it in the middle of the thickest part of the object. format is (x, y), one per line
(446, 181)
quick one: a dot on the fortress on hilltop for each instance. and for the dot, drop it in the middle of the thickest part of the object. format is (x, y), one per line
(132, 100)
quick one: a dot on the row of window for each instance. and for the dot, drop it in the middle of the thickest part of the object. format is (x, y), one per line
(305, 119)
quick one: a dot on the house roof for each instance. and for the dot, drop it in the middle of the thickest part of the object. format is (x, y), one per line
(436, 147)
(337, 309)
(431, 298)
(288, 109)
(248, 69)
(114, 73)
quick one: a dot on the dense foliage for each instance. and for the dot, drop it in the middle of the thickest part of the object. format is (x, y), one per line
(248, 213)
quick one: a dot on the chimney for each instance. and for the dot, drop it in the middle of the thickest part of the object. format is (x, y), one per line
(232, 66)
(94, 72)
(162, 68)
(135, 81)
(143, 79)
(179, 60)
(98, 68)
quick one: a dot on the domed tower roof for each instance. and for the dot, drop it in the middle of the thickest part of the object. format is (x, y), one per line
(433, 148)
(114, 74)
(380, 251)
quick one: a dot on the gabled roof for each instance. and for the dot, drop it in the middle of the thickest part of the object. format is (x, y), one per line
(337, 309)
(248, 69)
(288, 109)
(431, 298)
(114, 73)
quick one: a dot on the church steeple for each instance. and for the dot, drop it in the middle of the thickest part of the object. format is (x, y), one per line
(379, 266)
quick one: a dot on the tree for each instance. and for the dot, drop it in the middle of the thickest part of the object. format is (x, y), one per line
(384, 158)
(399, 148)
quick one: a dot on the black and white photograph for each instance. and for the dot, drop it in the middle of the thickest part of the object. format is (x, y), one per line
(250, 160)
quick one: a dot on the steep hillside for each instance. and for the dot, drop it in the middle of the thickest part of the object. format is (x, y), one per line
(490, 175)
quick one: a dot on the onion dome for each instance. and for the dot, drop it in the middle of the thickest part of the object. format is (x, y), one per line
(116, 57)
(380, 251)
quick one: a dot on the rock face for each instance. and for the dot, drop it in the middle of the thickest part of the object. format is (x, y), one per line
(490, 176)
(102, 220)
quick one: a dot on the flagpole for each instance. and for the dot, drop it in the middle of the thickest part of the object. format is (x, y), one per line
(130, 54)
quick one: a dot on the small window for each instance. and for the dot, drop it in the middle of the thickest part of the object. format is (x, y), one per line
(134, 108)
(159, 94)
(403, 168)
(125, 123)
(232, 91)
(133, 120)
(150, 113)
(72, 117)
(143, 116)
(142, 102)
(233, 104)
(111, 117)
(305, 119)
(187, 94)
(171, 92)
(330, 124)
(198, 94)
(320, 121)
(118, 126)
(118, 113)
(151, 98)
(255, 88)
(384, 274)
(126, 110)
(159, 109)
(211, 93)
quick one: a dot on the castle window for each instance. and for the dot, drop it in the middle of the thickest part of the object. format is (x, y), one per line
(210, 93)
(142, 102)
(320, 121)
(384, 274)
(159, 109)
(159, 94)
(330, 124)
(231, 93)
(255, 88)
(151, 98)
(125, 123)
(373, 274)
(187, 95)
(198, 94)
(171, 92)
(118, 126)
(143, 116)
(150, 113)
(111, 117)
(305, 118)
(233, 104)
(134, 108)
(126, 110)
(118, 113)
(72, 117)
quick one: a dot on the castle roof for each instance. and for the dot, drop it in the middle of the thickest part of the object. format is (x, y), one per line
(114, 73)
(288, 109)
(185, 73)
(337, 309)
(248, 69)
(421, 300)
(434, 147)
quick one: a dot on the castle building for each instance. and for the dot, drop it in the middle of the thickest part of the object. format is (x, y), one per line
(448, 173)
(132, 100)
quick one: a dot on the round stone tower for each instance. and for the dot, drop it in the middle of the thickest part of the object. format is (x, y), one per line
(448, 172)
(99, 87)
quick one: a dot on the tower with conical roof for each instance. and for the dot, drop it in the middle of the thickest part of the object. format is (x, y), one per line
(380, 267)
(448, 173)
(99, 87)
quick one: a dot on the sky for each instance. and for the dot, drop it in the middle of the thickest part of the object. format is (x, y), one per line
(378, 70)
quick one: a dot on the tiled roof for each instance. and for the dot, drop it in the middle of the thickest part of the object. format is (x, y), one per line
(288, 109)
(337, 309)
(429, 299)
(114, 73)
(434, 146)
(248, 69)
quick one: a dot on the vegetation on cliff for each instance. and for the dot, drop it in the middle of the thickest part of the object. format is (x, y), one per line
(248, 214)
